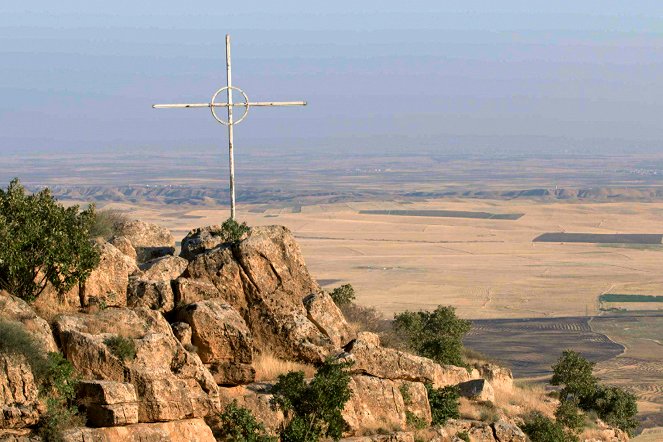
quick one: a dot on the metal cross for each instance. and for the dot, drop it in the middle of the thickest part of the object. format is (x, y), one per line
(230, 122)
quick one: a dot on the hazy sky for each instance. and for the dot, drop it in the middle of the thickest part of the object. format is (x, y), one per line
(571, 75)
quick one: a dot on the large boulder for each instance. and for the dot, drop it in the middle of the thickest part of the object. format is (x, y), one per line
(371, 359)
(19, 393)
(323, 312)
(375, 404)
(123, 244)
(170, 382)
(221, 338)
(179, 431)
(200, 240)
(257, 398)
(508, 432)
(15, 309)
(109, 280)
(165, 268)
(149, 240)
(265, 279)
(155, 295)
(188, 291)
(108, 403)
(477, 390)
(499, 377)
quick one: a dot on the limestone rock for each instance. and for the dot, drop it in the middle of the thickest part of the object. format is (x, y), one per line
(108, 403)
(478, 390)
(375, 404)
(218, 331)
(477, 431)
(179, 431)
(19, 402)
(265, 279)
(499, 377)
(188, 291)
(508, 432)
(165, 268)
(123, 244)
(200, 240)
(170, 382)
(388, 363)
(182, 332)
(324, 313)
(400, 436)
(232, 373)
(108, 282)
(15, 309)
(152, 294)
(149, 240)
(415, 398)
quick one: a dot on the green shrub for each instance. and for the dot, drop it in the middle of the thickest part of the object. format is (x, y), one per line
(232, 231)
(343, 295)
(59, 389)
(43, 242)
(575, 373)
(314, 408)
(569, 415)
(237, 424)
(15, 340)
(463, 436)
(540, 428)
(413, 421)
(437, 335)
(123, 348)
(616, 407)
(106, 223)
(444, 403)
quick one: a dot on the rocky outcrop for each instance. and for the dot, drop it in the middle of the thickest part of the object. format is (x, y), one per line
(109, 280)
(257, 399)
(108, 403)
(165, 268)
(188, 291)
(17, 310)
(323, 312)
(265, 279)
(19, 402)
(477, 390)
(507, 432)
(179, 431)
(371, 359)
(222, 339)
(149, 240)
(200, 240)
(123, 244)
(499, 377)
(155, 295)
(170, 382)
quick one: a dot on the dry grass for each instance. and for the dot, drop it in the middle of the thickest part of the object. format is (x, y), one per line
(269, 367)
(525, 398)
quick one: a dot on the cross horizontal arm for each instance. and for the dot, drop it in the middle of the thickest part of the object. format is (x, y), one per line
(256, 103)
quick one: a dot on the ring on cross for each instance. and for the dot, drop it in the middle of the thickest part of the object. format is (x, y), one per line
(214, 105)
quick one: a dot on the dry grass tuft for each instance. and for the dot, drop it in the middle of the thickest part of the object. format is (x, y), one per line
(269, 367)
(524, 398)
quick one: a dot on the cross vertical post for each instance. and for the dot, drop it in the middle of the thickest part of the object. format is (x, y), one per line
(231, 121)
(230, 128)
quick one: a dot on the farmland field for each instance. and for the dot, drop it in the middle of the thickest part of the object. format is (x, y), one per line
(601, 238)
(445, 214)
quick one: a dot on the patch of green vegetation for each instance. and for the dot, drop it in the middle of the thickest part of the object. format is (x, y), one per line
(462, 435)
(232, 231)
(343, 295)
(106, 224)
(123, 348)
(238, 424)
(437, 335)
(444, 403)
(613, 405)
(43, 243)
(540, 428)
(313, 408)
(618, 297)
(413, 421)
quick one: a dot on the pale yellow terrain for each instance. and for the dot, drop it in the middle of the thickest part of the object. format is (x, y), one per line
(486, 268)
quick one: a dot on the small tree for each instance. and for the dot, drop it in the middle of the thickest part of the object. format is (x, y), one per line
(569, 415)
(616, 407)
(237, 424)
(343, 295)
(314, 408)
(575, 373)
(437, 335)
(43, 242)
(444, 403)
(232, 231)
